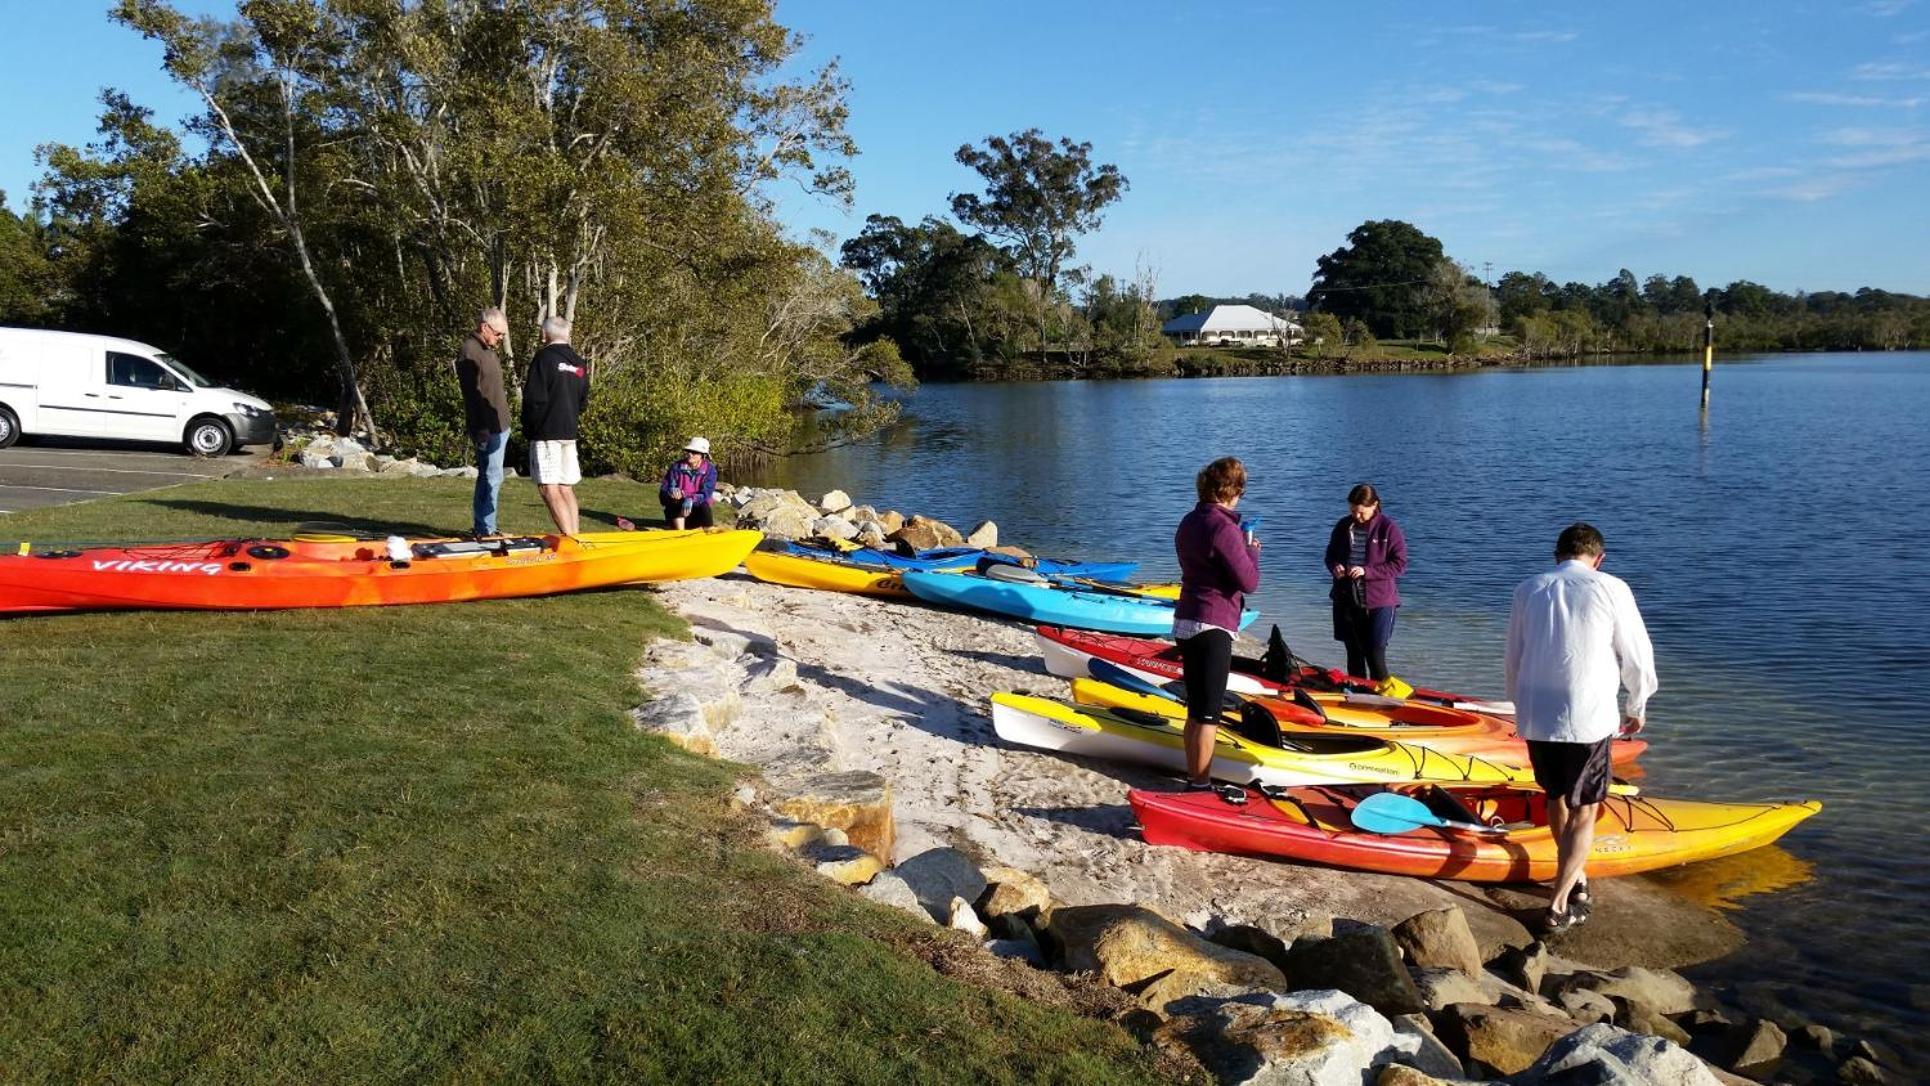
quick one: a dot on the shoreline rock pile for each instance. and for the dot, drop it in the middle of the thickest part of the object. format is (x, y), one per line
(786, 514)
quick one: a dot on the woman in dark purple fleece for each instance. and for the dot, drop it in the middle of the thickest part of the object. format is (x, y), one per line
(1365, 555)
(1219, 563)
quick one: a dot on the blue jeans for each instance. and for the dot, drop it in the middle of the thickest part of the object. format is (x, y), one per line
(489, 481)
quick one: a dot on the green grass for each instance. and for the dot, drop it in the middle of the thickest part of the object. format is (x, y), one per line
(425, 843)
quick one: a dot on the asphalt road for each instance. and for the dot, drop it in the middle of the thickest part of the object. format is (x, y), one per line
(60, 472)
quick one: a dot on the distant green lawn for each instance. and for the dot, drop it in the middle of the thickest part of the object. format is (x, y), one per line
(423, 843)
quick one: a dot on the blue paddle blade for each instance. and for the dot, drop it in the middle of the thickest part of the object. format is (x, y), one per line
(1391, 812)
(1108, 672)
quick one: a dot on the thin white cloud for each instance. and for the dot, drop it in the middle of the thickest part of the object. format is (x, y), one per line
(1890, 70)
(1861, 101)
(1884, 9)
(1664, 128)
(1545, 37)
(1813, 189)
(1871, 137)
(1912, 38)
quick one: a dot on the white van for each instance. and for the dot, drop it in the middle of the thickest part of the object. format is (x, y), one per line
(75, 385)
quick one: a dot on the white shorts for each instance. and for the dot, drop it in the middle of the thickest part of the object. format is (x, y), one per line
(553, 463)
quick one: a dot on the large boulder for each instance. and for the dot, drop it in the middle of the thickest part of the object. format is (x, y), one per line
(1295, 1039)
(420, 470)
(836, 501)
(833, 528)
(985, 535)
(679, 718)
(1365, 963)
(1589, 1007)
(1127, 944)
(1639, 1018)
(1605, 1056)
(1500, 1041)
(845, 864)
(857, 802)
(1440, 939)
(1441, 988)
(1662, 991)
(892, 520)
(889, 889)
(1415, 1044)
(1010, 892)
(787, 522)
(924, 533)
(1522, 967)
(1864, 1071)
(938, 875)
(1253, 939)
(1754, 1048)
(871, 533)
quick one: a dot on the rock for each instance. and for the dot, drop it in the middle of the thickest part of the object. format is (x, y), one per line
(1256, 941)
(679, 718)
(1297, 1039)
(468, 472)
(871, 533)
(1588, 1007)
(891, 520)
(1810, 1035)
(1127, 944)
(924, 533)
(1441, 988)
(1877, 1052)
(1022, 950)
(420, 470)
(833, 528)
(788, 523)
(940, 874)
(1602, 1055)
(844, 864)
(1502, 1041)
(1638, 1017)
(836, 837)
(318, 458)
(985, 535)
(389, 465)
(773, 676)
(791, 834)
(1163, 992)
(1397, 1074)
(1664, 992)
(1365, 963)
(964, 919)
(857, 802)
(889, 889)
(1418, 1047)
(1864, 1071)
(348, 446)
(861, 513)
(1707, 1021)
(1440, 939)
(1011, 892)
(1754, 1048)
(1010, 551)
(834, 502)
(1522, 967)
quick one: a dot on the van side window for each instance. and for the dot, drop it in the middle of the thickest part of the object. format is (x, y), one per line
(133, 371)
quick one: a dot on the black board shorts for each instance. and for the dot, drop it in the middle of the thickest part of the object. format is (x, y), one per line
(1578, 772)
(1205, 660)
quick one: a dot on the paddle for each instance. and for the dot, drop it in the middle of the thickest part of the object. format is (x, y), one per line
(1109, 672)
(1392, 812)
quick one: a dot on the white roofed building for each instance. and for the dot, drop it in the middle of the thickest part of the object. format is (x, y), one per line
(1232, 325)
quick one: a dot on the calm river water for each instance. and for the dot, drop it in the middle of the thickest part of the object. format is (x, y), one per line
(1773, 546)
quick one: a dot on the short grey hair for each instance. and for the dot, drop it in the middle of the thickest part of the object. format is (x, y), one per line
(556, 330)
(494, 317)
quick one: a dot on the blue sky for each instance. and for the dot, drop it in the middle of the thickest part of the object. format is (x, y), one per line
(1785, 142)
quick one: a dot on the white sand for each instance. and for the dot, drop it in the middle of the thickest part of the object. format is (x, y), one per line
(901, 689)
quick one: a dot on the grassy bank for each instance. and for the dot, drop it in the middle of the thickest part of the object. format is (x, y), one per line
(423, 843)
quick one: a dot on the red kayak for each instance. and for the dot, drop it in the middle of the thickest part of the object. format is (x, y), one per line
(1497, 832)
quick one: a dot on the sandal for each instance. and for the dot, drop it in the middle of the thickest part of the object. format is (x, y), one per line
(1202, 786)
(1554, 923)
(1580, 900)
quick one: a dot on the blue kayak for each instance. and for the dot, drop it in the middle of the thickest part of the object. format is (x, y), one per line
(949, 558)
(1049, 604)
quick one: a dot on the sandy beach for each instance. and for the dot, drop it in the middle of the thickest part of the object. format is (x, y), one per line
(834, 682)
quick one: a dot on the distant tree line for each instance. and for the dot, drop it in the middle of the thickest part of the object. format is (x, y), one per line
(375, 174)
(1391, 280)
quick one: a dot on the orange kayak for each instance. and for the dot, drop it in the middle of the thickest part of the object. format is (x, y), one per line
(269, 574)
(1312, 824)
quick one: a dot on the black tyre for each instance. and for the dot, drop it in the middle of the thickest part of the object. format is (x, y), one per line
(9, 428)
(209, 437)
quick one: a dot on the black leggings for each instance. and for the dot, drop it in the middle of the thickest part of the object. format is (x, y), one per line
(1366, 634)
(1205, 660)
(698, 517)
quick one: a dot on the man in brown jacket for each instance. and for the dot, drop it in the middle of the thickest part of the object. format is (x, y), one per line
(486, 412)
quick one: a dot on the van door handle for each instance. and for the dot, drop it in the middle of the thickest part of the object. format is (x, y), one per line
(92, 395)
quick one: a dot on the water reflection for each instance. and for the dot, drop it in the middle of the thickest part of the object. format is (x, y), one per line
(1724, 882)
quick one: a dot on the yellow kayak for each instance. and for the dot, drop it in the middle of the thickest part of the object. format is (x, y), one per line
(1151, 739)
(828, 574)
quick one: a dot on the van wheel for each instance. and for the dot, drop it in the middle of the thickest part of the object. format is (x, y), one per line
(209, 437)
(9, 428)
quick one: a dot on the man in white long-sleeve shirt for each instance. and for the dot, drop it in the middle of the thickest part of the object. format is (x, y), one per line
(1574, 637)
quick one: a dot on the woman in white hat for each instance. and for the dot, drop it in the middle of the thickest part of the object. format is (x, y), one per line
(688, 487)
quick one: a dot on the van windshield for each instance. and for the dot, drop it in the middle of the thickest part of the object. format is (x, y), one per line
(181, 368)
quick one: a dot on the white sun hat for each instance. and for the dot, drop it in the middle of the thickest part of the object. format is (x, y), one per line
(698, 445)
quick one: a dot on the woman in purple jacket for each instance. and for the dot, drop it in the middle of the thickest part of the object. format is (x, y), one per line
(1365, 555)
(1219, 563)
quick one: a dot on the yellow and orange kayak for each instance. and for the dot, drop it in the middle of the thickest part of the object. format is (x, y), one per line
(830, 573)
(341, 571)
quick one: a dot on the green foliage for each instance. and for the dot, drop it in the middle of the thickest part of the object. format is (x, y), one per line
(26, 274)
(426, 844)
(1323, 330)
(390, 169)
(1381, 276)
(1037, 198)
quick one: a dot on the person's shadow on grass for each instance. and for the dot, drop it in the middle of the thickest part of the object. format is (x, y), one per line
(294, 518)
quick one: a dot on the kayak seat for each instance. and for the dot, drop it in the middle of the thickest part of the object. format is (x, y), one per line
(1258, 726)
(1445, 803)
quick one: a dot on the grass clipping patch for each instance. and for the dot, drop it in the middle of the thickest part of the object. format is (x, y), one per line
(425, 842)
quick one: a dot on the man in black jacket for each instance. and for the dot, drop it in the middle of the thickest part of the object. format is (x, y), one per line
(553, 397)
(485, 413)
